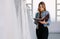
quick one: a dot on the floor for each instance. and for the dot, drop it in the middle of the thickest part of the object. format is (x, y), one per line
(54, 36)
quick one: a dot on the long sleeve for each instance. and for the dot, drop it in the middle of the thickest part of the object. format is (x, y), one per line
(36, 16)
(47, 19)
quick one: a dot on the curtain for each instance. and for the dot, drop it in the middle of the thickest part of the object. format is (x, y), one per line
(25, 20)
(15, 22)
(8, 20)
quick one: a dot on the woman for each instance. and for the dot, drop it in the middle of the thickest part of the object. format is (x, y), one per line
(44, 20)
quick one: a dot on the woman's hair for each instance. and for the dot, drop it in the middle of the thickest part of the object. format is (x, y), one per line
(43, 5)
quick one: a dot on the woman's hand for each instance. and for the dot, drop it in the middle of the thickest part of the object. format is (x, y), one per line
(43, 22)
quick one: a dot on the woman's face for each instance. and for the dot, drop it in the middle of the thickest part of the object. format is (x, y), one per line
(41, 8)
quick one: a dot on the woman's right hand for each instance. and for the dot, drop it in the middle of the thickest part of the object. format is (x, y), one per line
(43, 22)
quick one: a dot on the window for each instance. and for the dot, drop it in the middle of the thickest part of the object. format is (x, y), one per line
(58, 10)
